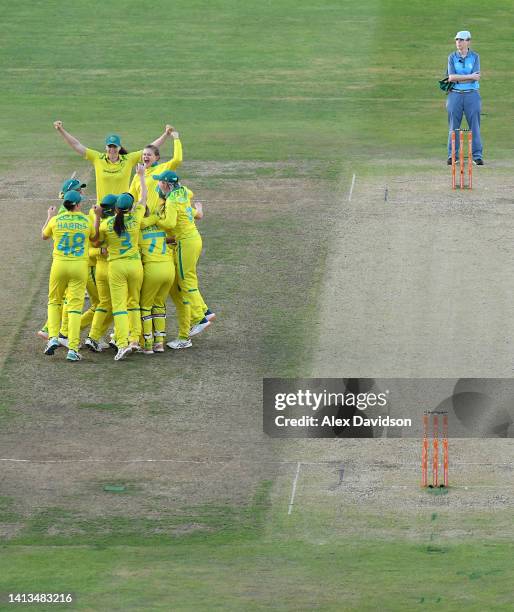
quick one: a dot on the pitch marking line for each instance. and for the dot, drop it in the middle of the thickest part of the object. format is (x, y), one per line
(331, 463)
(293, 492)
(351, 188)
(91, 460)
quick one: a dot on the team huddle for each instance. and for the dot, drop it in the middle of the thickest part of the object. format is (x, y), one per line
(135, 247)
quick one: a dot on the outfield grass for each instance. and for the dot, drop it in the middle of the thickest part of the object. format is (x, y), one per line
(260, 575)
(314, 91)
(287, 81)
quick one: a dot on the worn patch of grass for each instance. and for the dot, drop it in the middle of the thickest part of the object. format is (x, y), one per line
(56, 526)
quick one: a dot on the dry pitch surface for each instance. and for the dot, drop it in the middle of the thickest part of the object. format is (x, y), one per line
(419, 284)
(181, 431)
(408, 258)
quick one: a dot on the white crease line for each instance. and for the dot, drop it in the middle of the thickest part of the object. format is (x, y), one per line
(112, 461)
(351, 188)
(293, 492)
(327, 462)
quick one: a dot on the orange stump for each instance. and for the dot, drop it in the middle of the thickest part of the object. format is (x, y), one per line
(454, 183)
(462, 161)
(425, 448)
(435, 453)
(470, 160)
(461, 158)
(424, 453)
(445, 450)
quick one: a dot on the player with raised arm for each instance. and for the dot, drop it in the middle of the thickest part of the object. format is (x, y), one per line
(71, 231)
(103, 311)
(193, 318)
(153, 165)
(120, 235)
(113, 167)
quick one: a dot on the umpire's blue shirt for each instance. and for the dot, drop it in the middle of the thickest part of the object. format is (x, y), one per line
(462, 66)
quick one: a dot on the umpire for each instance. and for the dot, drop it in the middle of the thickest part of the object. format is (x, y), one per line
(464, 97)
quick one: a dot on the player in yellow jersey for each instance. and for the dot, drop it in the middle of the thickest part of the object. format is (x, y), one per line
(72, 184)
(120, 235)
(153, 165)
(103, 311)
(187, 252)
(159, 274)
(71, 231)
(92, 292)
(113, 167)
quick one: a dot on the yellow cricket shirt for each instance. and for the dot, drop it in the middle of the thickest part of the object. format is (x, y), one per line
(152, 199)
(185, 227)
(112, 177)
(152, 243)
(70, 232)
(127, 245)
(153, 238)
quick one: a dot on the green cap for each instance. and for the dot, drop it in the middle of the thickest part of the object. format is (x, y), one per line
(72, 196)
(109, 201)
(168, 176)
(125, 201)
(72, 185)
(113, 139)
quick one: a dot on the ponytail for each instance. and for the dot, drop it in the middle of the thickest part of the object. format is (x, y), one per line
(119, 221)
(122, 151)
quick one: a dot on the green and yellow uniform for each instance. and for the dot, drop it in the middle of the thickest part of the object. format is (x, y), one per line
(125, 273)
(103, 311)
(71, 232)
(187, 252)
(159, 274)
(112, 177)
(153, 199)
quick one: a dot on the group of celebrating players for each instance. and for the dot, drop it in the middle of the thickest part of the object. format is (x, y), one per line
(135, 247)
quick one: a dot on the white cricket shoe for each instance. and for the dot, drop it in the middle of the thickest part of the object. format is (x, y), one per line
(199, 327)
(179, 344)
(122, 353)
(52, 345)
(93, 345)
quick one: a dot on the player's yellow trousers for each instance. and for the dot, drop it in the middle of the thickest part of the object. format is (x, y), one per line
(188, 251)
(68, 277)
(157, 281)
(125, 280)
(103, 311)
(87, 316)
(92, 291)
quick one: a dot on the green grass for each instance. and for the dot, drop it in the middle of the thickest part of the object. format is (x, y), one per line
(320, 88)
(242, 81)
(259, 575)
(56, 526)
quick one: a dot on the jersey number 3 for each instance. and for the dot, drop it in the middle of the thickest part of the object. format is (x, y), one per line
(125, 243)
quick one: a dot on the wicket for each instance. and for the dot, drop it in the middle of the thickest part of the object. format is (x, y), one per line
(461, 158)
(435, 449)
